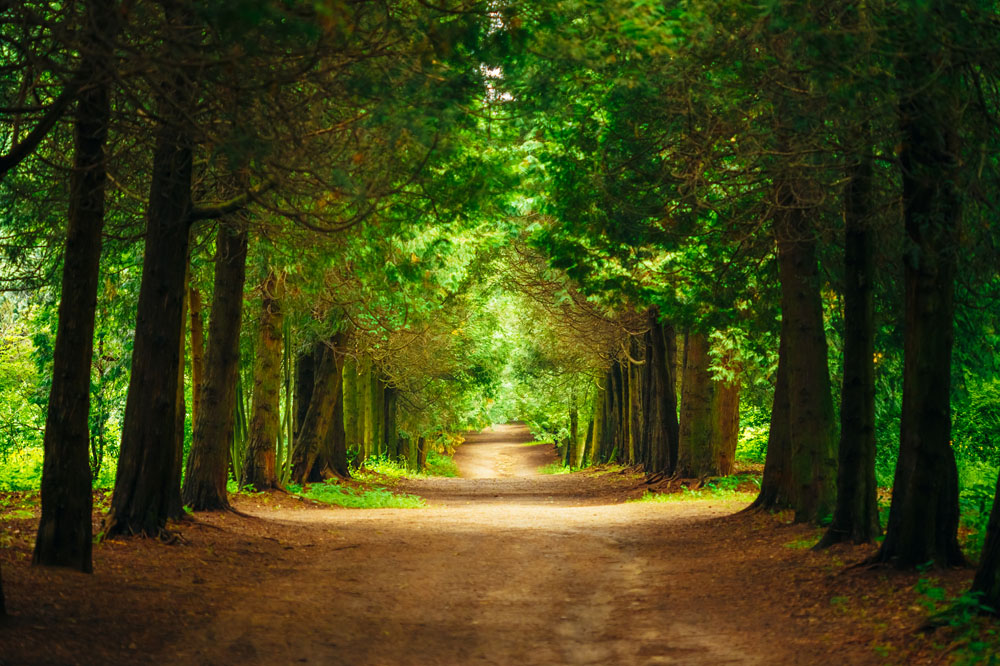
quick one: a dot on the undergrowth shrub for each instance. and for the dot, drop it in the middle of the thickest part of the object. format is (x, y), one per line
(331, 492)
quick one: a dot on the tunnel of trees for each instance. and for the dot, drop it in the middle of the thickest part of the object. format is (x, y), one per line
(259, 243)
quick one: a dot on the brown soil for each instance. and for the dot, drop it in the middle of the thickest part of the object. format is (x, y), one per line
(505, 566)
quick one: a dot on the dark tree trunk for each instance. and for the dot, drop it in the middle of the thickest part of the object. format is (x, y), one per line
(365, 409)
(811, 427)
(776, 484)
(856, 515)
(923, 517)
(421, 454)
(305, 379)
(591, 451)
(351, 406)
(378, 414)
(319, 412)
(140, 503)
(259, 466)
(332, 460)
(987, 580)
(205, 478)
(668, 406)
(695, 454)
(726, 419)
(576, 451)
(175, 505)
(197, 349)
(390, 436)
(65, 532)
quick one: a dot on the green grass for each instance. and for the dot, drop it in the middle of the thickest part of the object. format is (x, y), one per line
(554, 468)
(724, 487)
(331, 492)
(439, 464)
(380, 468)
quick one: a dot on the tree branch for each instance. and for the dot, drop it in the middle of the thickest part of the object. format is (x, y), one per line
(222, 208)
(51, 117)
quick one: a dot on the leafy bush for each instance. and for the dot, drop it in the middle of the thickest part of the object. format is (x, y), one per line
(331, 492)
(439, 464)
(21, 470)
(554, 468)
(976, 428)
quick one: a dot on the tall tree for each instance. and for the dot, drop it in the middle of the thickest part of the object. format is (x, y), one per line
(64, 532)
(259, 463)
(855, 517)
(205, 478)
(923, 516)
(140, 502)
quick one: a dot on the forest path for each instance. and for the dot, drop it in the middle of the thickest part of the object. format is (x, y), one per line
(506, 566)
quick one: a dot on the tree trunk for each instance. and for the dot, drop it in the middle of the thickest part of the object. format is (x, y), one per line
(811, 425)
(855, 517)
(776, 486)
(305, 380)
(197, 349)
(664, 430)
(923, 517)
(421, 453)
(141, 498)
(64, 532)
(351, 407)
(378, 413)
(695, 454)
(205, 478)
(332, 460)
(726, 419)
(319, 413)
(259, 465)
(390, 436)
(364, 409)
(175, 504)
(591, 454)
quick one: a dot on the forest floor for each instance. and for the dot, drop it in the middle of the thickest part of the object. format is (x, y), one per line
(504, 566)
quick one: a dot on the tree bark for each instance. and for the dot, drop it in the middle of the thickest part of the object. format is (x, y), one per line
(196, 311)
(319, 413)
(390, 436)
(855, 517)
(923, 517)
(695, 452)
(64, 532)
(726, 419)
(811, 425)
(332, 460)
(206, 475)
(776, 486)
(351, 407)
(305, 380)
(175, 504)
(364, 409)
(259, 464)
(421, 453)
(140, 502)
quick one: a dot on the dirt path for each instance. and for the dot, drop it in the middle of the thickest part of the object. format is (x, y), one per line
(505, 566)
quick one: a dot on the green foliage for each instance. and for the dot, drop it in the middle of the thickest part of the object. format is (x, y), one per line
(331, 492)
(439, 464)
(554, 468)
(735, 487)
(976, 429)
(977, 484)
(21, 470)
